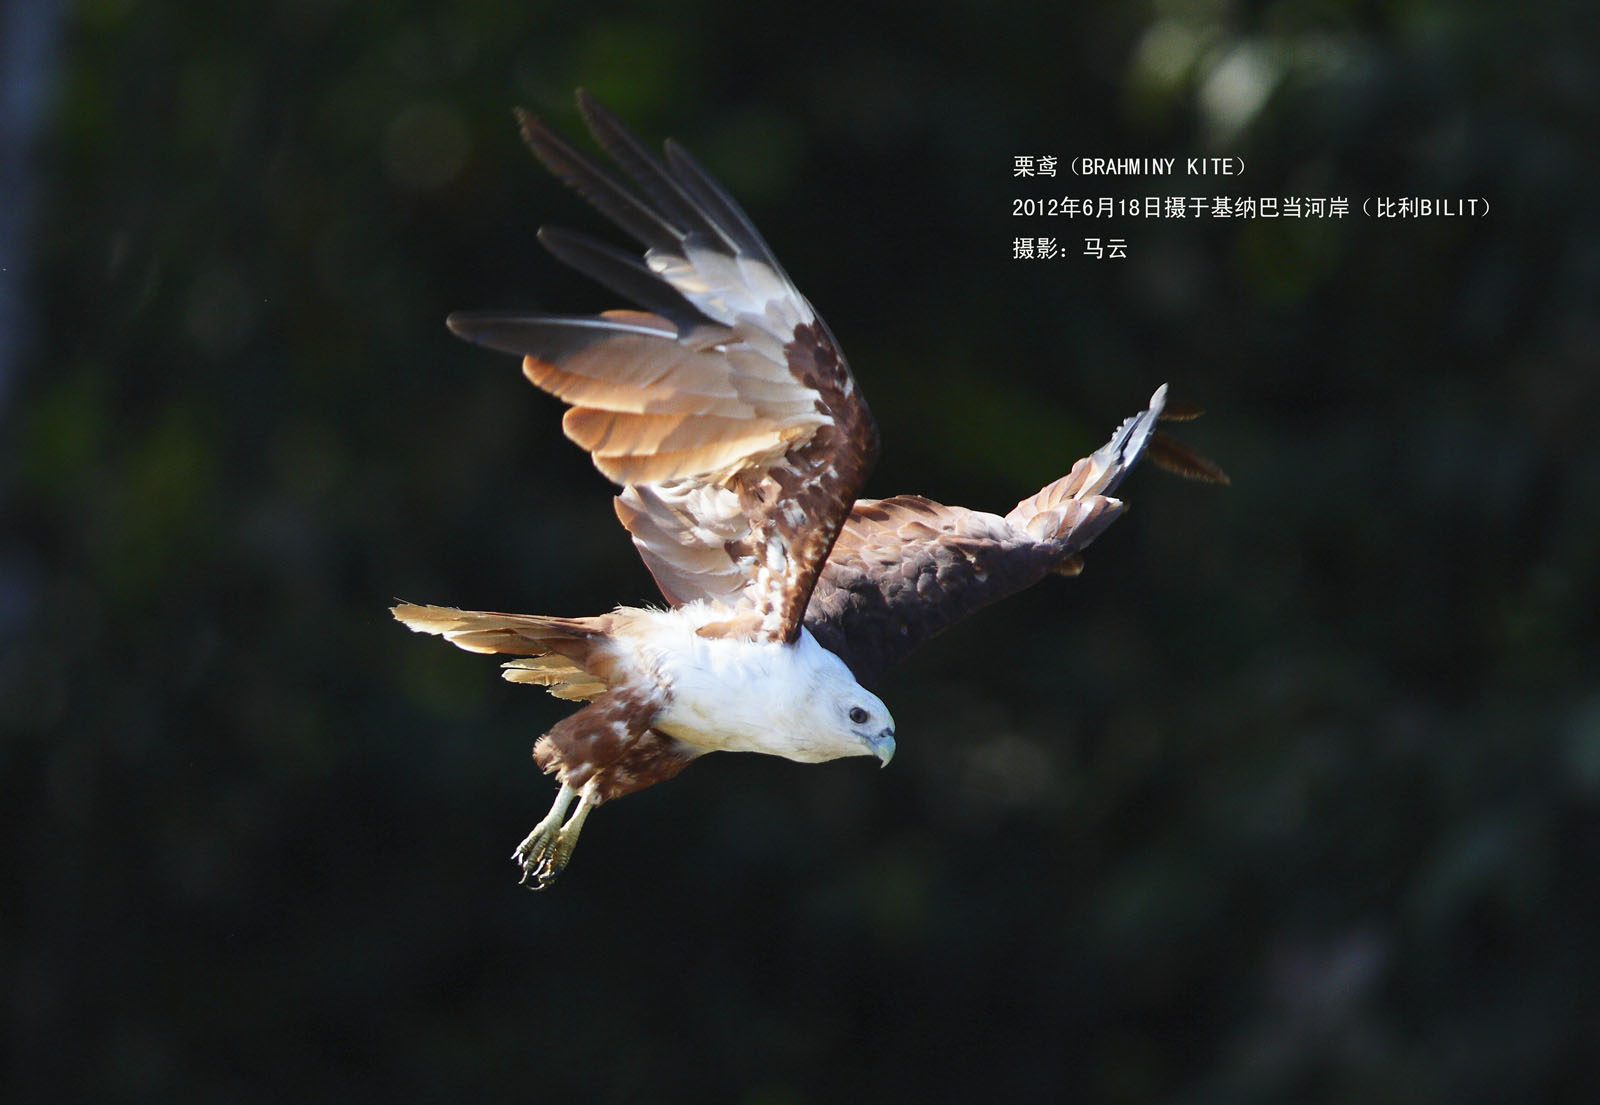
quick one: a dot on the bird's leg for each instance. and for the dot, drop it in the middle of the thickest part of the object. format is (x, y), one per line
(553, 860)
(545, 852)
(531, 852)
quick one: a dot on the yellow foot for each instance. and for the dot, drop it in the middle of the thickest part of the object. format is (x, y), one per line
(541, 857)
(544, 854)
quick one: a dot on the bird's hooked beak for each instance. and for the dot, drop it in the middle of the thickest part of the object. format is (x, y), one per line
(882, 746)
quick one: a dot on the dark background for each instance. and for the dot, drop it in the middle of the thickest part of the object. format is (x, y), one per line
(1292, 796)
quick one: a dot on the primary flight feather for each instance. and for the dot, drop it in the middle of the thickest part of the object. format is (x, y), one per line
(725, 410)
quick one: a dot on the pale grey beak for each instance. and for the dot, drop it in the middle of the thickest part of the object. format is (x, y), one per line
(882, 746)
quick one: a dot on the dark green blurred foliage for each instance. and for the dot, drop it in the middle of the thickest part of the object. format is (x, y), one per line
(1291, 797)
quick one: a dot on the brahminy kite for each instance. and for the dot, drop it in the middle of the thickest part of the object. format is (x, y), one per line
(724, 409)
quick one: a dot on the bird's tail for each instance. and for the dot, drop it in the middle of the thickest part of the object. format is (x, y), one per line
(571, 657)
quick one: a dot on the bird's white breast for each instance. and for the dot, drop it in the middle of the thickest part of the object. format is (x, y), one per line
(736, 695)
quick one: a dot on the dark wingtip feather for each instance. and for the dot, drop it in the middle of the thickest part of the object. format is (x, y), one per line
(528, 123)
(1167, 453)
(591, 182)
(1179, 410)
(473, 325)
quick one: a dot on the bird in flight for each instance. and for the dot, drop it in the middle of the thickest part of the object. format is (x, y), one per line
(724, 409)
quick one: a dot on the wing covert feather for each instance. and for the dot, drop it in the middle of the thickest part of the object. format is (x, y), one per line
(907, 568)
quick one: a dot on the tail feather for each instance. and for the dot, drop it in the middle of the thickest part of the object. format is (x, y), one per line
(571, 657)
(556, 674)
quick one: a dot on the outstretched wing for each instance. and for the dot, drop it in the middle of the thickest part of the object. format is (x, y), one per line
(724, 407)
(905, 569)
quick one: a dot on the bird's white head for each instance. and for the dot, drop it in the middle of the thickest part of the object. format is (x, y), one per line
(834, 716)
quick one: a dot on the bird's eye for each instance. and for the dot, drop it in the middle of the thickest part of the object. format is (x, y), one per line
(858, 715)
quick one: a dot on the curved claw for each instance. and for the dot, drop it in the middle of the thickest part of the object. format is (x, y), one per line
(544, 854)
(534, 856)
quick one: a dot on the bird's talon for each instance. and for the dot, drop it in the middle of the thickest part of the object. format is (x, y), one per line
(545, 852)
